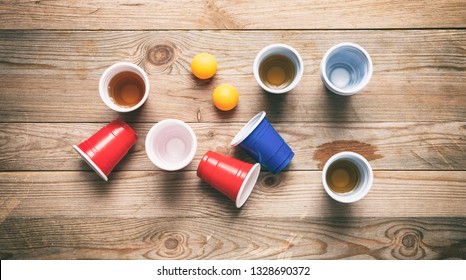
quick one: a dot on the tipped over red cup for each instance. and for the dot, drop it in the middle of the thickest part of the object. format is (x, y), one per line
(103, 150)
(234, 178)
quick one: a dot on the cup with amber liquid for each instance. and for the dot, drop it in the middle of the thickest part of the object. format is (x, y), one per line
(278, 68)
(347, 177)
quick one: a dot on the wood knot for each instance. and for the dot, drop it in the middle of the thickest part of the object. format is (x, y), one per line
(161, 55)
(169, 245)
(409, 240)
(270, 181)
(408, 244)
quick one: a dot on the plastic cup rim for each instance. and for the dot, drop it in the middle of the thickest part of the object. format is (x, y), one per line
(247, 129)
(104, 94)
(343, 198)
(296, 80)
(91, 163)
(330, 86)
(149, 151)
(248, 185)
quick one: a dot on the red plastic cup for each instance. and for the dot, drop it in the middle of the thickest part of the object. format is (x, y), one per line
(232, 177)
(103, 150)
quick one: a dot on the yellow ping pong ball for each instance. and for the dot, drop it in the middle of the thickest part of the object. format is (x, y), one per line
(225, 97)
(204, 66)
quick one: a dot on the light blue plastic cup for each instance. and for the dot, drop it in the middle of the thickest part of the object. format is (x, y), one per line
(346, 69)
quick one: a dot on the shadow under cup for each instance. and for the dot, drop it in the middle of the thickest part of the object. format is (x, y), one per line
(346, 69)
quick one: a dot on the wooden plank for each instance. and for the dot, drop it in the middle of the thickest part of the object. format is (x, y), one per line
(419, 76)
(392, 146)
(217, 238)
(222, 14)
(293, 194)
(386, 99)
(80, 55)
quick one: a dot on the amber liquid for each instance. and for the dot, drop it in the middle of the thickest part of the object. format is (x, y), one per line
(126, 89)
(277, 71)
(343, 176)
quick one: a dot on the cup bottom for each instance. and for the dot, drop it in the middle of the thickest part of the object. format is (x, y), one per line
(340, 77)
(280, 159)
(283, 164)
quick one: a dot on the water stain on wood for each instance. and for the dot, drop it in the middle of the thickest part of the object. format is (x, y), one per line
(326, 150)
(161, 55)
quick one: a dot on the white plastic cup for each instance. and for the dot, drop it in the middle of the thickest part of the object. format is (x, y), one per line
(279, 49)
(346, 69)
(365, 177)
(171, 144)
(111, 72)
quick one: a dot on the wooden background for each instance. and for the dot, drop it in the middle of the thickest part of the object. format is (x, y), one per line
(410, 122)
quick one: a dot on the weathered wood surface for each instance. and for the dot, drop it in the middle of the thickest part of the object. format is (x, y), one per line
(293, 195)
(388, 146)
(225, 14)
(219, 238)
(54, 76)
(409, 98)
(83, 54)
(409, 122)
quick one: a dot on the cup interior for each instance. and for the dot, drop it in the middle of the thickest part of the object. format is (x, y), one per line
(365, 177)
(248, 185)
(114, 70)
(347, 68)
(279, 50)
(248, 129)
(171, 144)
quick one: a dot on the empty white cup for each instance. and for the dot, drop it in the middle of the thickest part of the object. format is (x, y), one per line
(279, 49)
(365, 177)
(111, 72)
(171, 144)
(346, 68)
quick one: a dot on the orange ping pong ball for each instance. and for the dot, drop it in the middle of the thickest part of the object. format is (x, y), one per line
(225, 97)
(204, 65)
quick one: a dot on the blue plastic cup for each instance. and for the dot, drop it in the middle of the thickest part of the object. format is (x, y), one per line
(260, 140)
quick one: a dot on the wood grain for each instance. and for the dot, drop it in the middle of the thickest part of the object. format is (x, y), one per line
(388, 146)
(419, 76)
(82, 54)
(386, 99)
(293, 195)
(223, 14)
(409, 122)
(217, 238)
